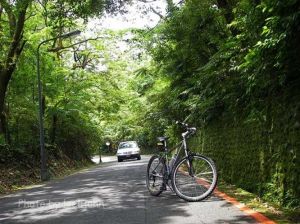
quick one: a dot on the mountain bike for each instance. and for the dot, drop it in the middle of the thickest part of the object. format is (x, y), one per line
(193, 176)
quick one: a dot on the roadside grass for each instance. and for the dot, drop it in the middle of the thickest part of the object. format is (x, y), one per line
(16, 180)
(276, 213)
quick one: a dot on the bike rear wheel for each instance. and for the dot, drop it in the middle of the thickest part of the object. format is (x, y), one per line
(155, 175)
(194, 178)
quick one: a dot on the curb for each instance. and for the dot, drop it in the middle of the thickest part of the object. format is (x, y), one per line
(260, 218)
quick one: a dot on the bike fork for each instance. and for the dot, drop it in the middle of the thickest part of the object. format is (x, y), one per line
(190, 165)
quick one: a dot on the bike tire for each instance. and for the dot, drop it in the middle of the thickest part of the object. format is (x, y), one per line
(200, 182)
(155, 173)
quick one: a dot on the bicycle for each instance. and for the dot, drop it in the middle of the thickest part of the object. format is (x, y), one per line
(193, 177)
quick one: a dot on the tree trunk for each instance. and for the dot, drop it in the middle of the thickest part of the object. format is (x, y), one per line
(4, 79)
(17, 16)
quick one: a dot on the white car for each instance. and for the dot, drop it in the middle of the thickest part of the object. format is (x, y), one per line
(128, 150)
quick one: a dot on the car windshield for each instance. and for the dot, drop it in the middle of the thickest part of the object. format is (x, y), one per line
(125, 145)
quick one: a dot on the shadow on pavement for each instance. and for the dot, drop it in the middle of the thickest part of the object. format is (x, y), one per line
(106, 194)
(109, 194)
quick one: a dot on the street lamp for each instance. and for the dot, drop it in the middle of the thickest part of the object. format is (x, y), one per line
(44, 172)
(108, 144)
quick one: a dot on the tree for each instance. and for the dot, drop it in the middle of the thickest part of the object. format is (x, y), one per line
(11, 48)
(12, 38)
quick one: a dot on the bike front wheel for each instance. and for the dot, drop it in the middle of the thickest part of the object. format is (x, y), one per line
(194, 178)
(156, 171)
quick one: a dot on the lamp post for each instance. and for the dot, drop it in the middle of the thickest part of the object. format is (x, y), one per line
(44, 172)
(107, 144)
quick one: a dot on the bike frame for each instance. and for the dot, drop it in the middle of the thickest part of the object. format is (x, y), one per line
(181, 145)
(183, 163)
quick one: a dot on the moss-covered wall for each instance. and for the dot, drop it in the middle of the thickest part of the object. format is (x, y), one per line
(262, 157)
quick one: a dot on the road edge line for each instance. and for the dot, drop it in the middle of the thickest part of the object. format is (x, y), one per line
(254, 214)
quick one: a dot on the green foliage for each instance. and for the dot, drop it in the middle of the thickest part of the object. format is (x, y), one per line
(233, 69)
(228, 67)
(79, 97)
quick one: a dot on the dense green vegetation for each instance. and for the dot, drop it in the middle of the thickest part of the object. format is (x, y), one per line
(231, 68)
(77, 93)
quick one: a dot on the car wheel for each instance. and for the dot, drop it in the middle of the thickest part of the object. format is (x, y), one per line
(139, 157)
(120, 160)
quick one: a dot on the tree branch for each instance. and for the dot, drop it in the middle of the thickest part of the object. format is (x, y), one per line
(80, 42)
(1, 11)
(17, 36)
(157, 13)
(44, 6)
(145, 1)
(11, 17)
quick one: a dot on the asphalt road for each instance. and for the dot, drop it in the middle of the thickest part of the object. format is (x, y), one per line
(111, 193)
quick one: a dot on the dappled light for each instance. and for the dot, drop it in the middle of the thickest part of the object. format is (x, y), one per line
(111, 193)
(77, 78)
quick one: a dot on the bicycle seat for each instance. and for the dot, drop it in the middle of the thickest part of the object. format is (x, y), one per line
(162, 139)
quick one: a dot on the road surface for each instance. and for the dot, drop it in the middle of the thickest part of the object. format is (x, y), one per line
(111, 193)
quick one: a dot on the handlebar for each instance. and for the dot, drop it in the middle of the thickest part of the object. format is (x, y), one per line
(182, 124)
(189, 130)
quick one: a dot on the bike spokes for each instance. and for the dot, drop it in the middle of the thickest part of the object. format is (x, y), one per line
(155, 175)
(194, 178)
